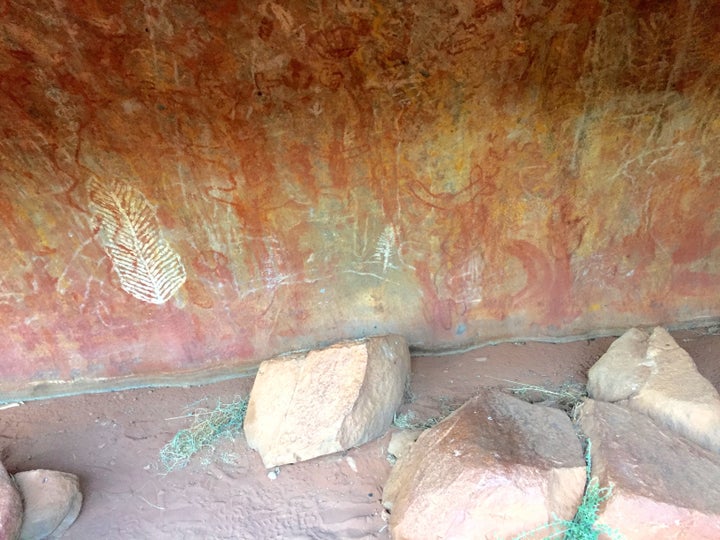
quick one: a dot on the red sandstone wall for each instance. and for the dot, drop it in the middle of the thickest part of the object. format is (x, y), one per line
(189, 185)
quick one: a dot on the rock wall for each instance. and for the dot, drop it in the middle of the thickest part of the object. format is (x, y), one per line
(200, 185)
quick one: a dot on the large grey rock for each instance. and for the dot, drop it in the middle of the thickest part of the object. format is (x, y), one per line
(653, 375)
(52, 502)
(11, 508)
(304, 406)
(497, 467)
(664, 486)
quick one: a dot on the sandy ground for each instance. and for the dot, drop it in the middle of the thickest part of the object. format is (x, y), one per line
(112, 441)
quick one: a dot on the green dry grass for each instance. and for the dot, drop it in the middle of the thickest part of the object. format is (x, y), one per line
(225, 420)
(407, 420)
(584, 525)
(565, 397)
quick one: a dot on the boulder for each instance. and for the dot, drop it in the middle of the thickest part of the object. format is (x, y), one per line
(400, 443)
(653, 375)
(52, 501)
(495, 468)
(326, 401)
(10, 507)
(664, 486)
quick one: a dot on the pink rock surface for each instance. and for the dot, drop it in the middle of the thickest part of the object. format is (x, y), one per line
(11, 507)
(194, 185)
(495, 468)
(664, 486)
(325, 401)
(51, 501)
(654, 375)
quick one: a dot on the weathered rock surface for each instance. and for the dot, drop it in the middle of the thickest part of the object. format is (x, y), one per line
(495, 468)
(664, 487)
(400, 443)
(52, 501)
(653, 375)
(304, 406)
(10, 507)
(368, 168)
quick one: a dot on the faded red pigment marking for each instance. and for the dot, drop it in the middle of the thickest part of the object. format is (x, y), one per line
(636, 251)
(198, 294)
(437, 311)
(249, 210)
(548, 286)
(270, 252)
(696, 243)
(445, 201)
(683, 221)
(298, 162)
(335, 43)
(337, 162)
(213, 264)
(21, 229)
(690, 283)
(538, 273)
(566, 230)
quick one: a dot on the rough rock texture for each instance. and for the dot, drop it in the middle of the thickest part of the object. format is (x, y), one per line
(652, 374)
(400, 443)
(664, 487)
(495, 468)
(11, 508)
(304, 406)
(52, 501)
(301, 170)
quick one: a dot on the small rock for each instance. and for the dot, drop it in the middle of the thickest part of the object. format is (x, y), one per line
(400, 442)
(11, 509)
(653, 375)
(305, 406)
(621, 371)
(52, 501)
(663, 486)
(495, 468)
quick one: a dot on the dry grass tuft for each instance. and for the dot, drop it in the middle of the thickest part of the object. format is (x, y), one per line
(226, 420)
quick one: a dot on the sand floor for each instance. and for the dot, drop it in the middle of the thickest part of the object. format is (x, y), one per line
(112, 442)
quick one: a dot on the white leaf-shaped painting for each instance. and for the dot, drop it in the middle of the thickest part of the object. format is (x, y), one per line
(147, 266)
(385, 248)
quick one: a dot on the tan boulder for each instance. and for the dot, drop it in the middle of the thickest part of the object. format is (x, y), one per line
(326, 401)
(400, 443)
(497, 467)
(11, 508)
(664, 487)
(51, 501)
(654, 375)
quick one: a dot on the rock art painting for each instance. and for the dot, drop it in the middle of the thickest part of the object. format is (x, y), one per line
(188, 188)
(146, 265)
